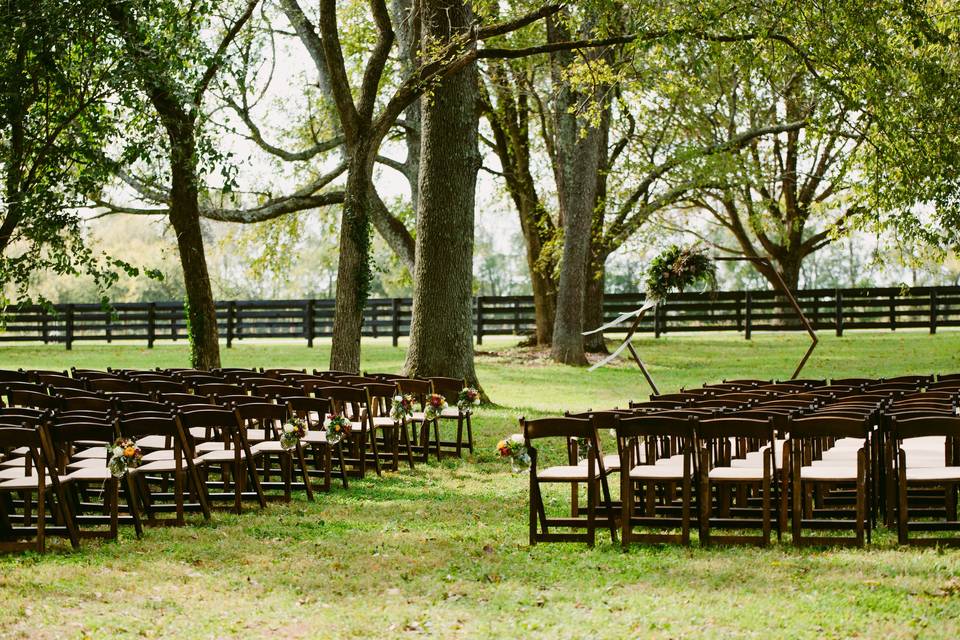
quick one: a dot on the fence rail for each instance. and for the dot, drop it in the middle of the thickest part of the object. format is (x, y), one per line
(836, 310)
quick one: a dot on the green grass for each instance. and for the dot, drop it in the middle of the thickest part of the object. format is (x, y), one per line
(441, 551)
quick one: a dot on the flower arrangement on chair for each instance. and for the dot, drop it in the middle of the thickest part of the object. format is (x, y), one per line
(124, 455)
(401, 408)
(292, 432)
(513, 447)
(467, 399)
(436, 403)
(338, 428)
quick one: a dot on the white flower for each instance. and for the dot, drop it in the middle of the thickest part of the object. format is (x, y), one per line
(517, 437)
(118, 451)
(288, 427)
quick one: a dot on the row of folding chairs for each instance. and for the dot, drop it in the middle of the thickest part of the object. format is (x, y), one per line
(736, 466)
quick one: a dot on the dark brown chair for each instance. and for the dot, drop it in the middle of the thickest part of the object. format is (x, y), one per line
(25, 529)
(915, 470)
(720, 476)
(314, 411)
(179, 465)
(646, 478)
(818, 469)
(229, 451)
(593, 475)
(450, 389)
(268, 419)
(351, 403)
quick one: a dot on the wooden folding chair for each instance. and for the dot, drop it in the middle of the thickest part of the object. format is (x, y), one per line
(178, 464)
(450, 389)
(229, 451)
(721, 480)
(313, 411)
(266, 421)
(651, 476)
(818, 468)
(21, 528)
(593, 475)
(926, 456)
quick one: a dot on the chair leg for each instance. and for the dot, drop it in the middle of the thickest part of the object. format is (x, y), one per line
(306, 474)
(343, 466)
(591, 512)
(131, 494)
(114, 507)
(685, 512)
(626, 512)
(406, 443)
(469, 434)
(459, 434)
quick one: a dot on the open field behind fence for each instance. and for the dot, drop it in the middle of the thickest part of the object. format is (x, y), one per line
(836, 310)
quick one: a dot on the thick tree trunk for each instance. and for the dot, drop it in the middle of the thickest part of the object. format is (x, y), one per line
(593, 305)
(544, 305)
(578, 160)
(441, 330)
(353, 266)
(185, 218)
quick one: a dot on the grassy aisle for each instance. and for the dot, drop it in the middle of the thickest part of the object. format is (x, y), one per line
(441, 551)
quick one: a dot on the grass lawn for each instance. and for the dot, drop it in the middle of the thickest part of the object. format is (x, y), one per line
(442, 552)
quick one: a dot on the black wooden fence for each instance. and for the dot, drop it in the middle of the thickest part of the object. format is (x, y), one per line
(747, 311)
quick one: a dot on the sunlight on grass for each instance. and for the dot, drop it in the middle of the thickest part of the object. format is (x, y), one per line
(442, 551)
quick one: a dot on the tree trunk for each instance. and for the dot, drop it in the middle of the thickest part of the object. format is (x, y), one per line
(593, 304)
(353, 266)
(578, 160)
(441, 330)
(185, 218)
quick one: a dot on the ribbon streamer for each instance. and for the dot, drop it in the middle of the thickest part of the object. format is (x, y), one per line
(649, 304)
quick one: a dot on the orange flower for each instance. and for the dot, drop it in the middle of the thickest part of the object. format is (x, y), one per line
(129, 452)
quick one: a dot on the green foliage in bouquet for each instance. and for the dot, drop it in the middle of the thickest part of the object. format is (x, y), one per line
(678, 268)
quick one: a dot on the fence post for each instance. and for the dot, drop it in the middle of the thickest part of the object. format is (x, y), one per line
(748, 312)
(656, 320)
(151, 324)
(309, 322)
(739, 314)
(838, 311)
(374, 315)
(479, 319)
(933, 311)
(44, 324)
(173, 328)
(395, 321)
(516, 316)
(893, 313)
(69, 328)
(231, 310)
(107, 326)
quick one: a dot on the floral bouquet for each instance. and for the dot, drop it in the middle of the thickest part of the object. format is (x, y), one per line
(124, 455)
(338, 428)
(678, 268)
(401, 408)
(292, 432)
(467, 398)
(436, 403)
(513, 447)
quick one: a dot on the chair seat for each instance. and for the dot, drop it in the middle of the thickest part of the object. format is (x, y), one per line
(268, 446)
(383, 421)
(611, 462)
(92, 452)
(159, 454)
(23, 483)
(93, 474)
(658, 472)
(87, 463)
(929, 443)
(211, 445)
(933, 474)
(315, 436)
(12, 472)
(224, 455)
(153, 442)
(256, 435)
(568, 472)
(167, 465)
(450, 413)
(743, 474)
(12, 462)
(830, 473)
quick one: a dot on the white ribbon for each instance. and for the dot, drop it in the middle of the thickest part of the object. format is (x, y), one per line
(649, 304)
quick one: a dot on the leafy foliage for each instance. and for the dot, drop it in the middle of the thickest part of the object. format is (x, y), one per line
(678, 268)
